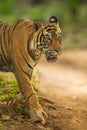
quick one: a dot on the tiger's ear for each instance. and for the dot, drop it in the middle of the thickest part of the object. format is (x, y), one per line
(53, 19)
(37, 24)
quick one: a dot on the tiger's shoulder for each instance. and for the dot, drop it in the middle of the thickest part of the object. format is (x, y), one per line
(22, 23)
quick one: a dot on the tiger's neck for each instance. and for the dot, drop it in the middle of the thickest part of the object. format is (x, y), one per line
(33, 52)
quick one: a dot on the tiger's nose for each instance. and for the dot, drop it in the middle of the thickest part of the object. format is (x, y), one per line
(57, 50)
(53, 52)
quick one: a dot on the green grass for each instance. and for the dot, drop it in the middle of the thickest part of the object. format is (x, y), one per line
(8, 89)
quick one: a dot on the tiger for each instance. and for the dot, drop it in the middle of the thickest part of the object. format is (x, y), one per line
(21, 46)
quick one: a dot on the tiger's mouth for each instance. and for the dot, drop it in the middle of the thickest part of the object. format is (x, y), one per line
(51, 59)
(51, 56)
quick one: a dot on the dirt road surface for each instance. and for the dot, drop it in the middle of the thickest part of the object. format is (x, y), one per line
(68, 76)
(65, 82)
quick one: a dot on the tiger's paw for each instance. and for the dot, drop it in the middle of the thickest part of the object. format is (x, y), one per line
(38, 115)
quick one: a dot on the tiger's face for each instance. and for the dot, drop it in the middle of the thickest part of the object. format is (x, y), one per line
(49, 39)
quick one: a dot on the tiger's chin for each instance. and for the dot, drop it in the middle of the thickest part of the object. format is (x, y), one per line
(51, 59)
(51, 56)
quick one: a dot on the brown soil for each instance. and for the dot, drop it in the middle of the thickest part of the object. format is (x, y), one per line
(63, 82)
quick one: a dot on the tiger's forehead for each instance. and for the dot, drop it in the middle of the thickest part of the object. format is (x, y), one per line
(51, 27)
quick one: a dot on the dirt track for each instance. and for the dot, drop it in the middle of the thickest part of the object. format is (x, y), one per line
(67, 76)
(65, 82)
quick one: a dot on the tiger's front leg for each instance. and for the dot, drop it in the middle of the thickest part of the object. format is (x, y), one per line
(34, 108)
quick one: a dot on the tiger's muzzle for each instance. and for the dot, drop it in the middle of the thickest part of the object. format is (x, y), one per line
(51, 55)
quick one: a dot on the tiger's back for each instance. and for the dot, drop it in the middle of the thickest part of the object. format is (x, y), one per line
(10, 36)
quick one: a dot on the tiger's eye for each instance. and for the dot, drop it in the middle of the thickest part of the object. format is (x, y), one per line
(47, 37)
(46, 46)
(54, 31)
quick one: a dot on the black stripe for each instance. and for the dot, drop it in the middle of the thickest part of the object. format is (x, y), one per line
(49, 26)
(3, 52)
(1, 24)
(9, 36)
(10, 67)
(26, 62)
(41, 38)
(26, 24)
(2, 59)
(4, 35)
(18, 21)
(38, 36)
(22, 69)
(29, 51)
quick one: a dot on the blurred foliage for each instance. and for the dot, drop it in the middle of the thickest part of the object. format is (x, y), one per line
(41, 9)
(71, 13)
(7, 89)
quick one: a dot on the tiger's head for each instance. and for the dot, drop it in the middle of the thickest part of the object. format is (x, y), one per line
(48, 38)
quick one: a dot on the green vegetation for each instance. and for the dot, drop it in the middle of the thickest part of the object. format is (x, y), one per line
(7, 89)
(71, 14)
(68, 11)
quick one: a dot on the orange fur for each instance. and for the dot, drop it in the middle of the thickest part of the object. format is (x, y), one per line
(19, 55)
